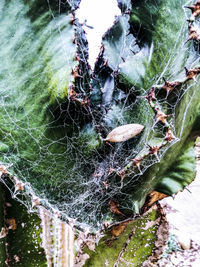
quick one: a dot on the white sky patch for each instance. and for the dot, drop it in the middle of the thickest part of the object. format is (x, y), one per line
(99, 14)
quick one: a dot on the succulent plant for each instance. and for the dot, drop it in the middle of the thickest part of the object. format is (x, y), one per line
(56, 111)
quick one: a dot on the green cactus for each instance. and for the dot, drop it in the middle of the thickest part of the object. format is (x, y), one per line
(56, 112)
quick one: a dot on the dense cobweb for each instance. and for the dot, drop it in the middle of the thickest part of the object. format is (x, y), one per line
(60, 155)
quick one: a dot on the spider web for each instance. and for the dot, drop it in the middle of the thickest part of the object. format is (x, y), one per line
(51, 138)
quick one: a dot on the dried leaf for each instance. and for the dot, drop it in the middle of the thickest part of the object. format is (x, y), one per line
(155, 196)
(12, 224)
(118, 229)
(114, 207)
(124, 132)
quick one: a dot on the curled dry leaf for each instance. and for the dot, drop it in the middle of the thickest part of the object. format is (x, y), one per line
(11, 224)
(124, 132)
(118, 229)
(155, 196)
(114, 207)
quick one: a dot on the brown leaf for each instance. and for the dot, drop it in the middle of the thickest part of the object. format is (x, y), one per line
(155, 196)
(114, 207)
(117, 230)
(124, 132)
(12, 224)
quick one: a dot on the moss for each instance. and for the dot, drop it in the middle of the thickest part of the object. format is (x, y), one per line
(143, 242)
(23, 241)
(139, 235)
(2, 240)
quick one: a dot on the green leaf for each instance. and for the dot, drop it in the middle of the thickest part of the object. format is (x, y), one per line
(118, 43)
(180, 174)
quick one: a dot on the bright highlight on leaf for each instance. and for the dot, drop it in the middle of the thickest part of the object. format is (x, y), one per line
(124, 133)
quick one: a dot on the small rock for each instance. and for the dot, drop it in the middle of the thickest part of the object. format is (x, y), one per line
(184, 240)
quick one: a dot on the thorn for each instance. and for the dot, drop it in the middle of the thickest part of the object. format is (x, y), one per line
(72, 93)
(151, 96)
(173, 196)
(19, 186)
(110, 171)
(186, 70)
(189, 7)
(192, 73)
(164, 80)
(170, 86)
(74, 40)
(160, 116)
(154, 150)
(35, 202)
(107, 143)
(122, 174)
(106, 184)
(195, 8)
(75, 73)
(136, 162)
(188, 190)
(191, 19)
(72, 19)
(3, 170)
(169, 136)
(193, 34)
(133, 51)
